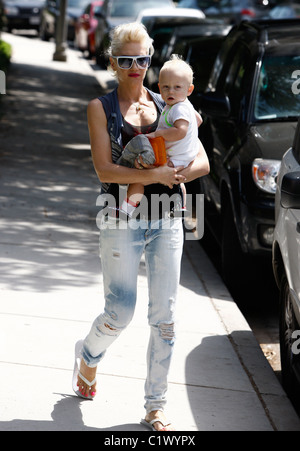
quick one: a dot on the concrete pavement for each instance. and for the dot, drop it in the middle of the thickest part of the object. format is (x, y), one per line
(51, 287)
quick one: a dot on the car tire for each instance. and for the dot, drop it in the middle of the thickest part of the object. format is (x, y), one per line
(241, 272)
(290, 361)
(43, 32)
(232, 255)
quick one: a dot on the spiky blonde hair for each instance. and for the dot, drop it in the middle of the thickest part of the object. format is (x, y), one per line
(131, 32)
(176, 62)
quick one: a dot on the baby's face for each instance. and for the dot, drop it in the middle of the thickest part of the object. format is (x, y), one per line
(174, 87)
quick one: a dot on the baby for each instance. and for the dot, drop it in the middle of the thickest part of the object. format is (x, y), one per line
(178, 123)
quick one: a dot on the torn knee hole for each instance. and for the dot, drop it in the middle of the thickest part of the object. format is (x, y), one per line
(167, 331)
(109, 327)
(105, 328)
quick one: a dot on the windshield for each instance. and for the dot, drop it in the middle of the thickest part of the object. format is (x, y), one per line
(278, 93)
(127, 8)
(214, 6)
(77, 3)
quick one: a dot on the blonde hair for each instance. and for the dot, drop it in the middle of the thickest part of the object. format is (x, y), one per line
(126, 33)
(177, 63)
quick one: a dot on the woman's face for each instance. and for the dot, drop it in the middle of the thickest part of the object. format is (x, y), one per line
(135, 73)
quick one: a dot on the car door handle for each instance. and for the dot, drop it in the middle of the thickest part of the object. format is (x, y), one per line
(298, 227)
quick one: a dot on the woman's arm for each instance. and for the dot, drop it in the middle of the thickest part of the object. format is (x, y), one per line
(109, 172)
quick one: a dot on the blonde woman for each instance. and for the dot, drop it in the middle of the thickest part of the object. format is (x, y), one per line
(113, 120)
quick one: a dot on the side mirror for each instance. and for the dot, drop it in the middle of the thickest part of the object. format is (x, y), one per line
(214, 104)
(290, 191)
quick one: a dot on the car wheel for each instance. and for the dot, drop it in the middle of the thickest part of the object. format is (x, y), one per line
(241, 272)
(43, 32)
(232, 255)
(289, 359)
(90, 52)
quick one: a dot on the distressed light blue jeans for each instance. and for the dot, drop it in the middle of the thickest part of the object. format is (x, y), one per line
(121, 250)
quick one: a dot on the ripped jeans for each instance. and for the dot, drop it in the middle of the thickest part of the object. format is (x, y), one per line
(121, 251)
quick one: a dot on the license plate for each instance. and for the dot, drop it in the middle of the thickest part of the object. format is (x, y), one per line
(34, 20)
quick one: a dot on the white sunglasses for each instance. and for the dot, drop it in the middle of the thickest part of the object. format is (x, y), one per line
(126, 62)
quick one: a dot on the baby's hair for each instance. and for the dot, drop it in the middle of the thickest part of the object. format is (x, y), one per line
(177, 62)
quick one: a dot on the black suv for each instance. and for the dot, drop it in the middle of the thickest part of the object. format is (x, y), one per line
(251, 108)
(198, 43)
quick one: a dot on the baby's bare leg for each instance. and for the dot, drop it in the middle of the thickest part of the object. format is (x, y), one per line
(183, 189)
(135, 194)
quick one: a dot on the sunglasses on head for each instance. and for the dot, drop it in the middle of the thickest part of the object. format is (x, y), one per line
(126, 62)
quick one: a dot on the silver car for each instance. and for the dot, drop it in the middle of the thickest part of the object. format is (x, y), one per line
(286, 265)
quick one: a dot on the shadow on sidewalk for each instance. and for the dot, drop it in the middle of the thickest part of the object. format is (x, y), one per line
(220, 393)
(48, 184)
(66, 416)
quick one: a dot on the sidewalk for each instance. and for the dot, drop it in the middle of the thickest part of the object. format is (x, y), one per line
(51, 289)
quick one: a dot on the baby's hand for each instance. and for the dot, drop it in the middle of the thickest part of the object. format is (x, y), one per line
(151, 135)
(169, 163)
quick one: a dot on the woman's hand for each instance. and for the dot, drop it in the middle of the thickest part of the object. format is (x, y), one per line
(169, 176)
(166, 175)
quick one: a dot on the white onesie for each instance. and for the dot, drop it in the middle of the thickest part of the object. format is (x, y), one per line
(181, 152)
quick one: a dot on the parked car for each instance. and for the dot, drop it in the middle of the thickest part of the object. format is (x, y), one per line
(231, 11)
(151, 16)
(115, 12)
(164, 28)
(85, 27)
(250, 115)
(196, 40)
(2, 16)
(286, 264)
(51, 12)
(23, 14)
(285, 11)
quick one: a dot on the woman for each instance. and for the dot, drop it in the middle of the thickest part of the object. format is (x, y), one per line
(137, 110)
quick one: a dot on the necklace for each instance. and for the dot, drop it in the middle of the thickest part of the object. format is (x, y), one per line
(138, 108)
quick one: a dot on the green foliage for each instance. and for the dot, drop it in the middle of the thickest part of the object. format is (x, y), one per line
(5, 55)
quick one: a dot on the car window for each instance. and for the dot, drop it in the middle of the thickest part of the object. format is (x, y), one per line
(238, 79)
(127, 8)
(275, 98)
(202, 59)
(77, 3)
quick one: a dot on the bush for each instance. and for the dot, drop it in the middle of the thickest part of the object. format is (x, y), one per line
(5, 55)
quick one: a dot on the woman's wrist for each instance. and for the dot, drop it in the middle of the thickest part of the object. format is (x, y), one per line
(151, 176)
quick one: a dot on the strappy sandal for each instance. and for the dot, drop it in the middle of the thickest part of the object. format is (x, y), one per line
(76, 372)
(150, 424)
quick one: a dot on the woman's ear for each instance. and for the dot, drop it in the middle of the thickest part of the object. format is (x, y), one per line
(112, 63)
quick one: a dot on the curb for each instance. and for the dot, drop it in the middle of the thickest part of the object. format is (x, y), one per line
(277, 406)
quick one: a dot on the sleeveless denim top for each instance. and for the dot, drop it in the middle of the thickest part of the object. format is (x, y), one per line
(115, 125)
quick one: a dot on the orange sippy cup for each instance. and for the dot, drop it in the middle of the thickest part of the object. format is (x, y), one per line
(159, 149)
